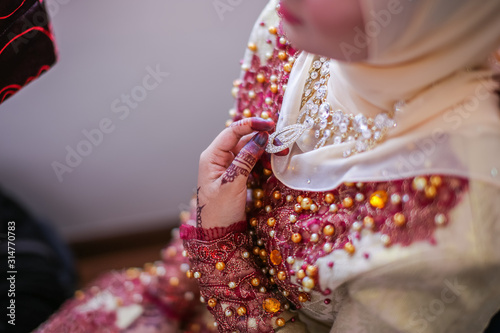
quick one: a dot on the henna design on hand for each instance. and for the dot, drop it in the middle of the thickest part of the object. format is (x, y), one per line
(232, 172)
(198, 208)
(257, 124)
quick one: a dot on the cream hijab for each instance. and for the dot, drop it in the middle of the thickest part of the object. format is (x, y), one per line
(434, 56)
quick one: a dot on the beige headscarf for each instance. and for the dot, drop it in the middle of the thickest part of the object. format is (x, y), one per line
(432, 54)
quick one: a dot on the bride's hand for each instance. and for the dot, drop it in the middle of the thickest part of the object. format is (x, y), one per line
(224, 169)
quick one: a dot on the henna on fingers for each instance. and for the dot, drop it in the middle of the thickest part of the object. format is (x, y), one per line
(198, 208)
(256, 124)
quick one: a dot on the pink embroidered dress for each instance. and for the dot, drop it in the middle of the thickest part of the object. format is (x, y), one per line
(402, 254)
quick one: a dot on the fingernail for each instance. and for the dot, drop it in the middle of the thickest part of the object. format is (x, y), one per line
(259, 124)
(284, 152)
(261, 138)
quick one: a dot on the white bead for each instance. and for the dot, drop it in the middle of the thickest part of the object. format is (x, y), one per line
(228, 313)
(386, 240)
(356, 226)
(327, 247)
(286, 293)
(251, 94)
(184, 267)
(440, 219)
(188, 295)
(283, 40)
(314, 238)
(184, 253)
(271, 233)
(333, 208)
(272, 271)
(260, 242)
(202, 299)
(269, 55)
(262, 290)
(197, 275)
(269, 100)
(274, 78)
(360, 197)
(232, 112)
(290, 260)
(234, 92)
(286, 306)
(245, 67)
(245, 255)
(232, 285)
(395, 198)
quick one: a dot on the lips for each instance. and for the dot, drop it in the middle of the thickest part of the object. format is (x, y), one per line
(285, 14)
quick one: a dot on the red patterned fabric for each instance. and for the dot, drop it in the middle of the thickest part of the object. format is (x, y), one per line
(27, 46)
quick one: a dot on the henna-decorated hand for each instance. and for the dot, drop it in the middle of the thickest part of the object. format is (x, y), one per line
(224, 169)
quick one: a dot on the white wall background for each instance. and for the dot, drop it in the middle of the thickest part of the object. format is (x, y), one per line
(142, 172)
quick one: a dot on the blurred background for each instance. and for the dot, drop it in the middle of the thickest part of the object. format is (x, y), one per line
(153, 78)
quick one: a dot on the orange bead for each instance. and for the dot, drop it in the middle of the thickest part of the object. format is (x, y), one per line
(261, 78)
(189, 274)
(79, 295)
(271, 221)
(328, 230)
(247, 113)
(296, 238)
(280, 322)
(241, 311)
(276, 257)
(252, 47)
(430, 192)
(220, 266)
(274, 88)
(329, 198)
(301, 274)
(255, 282)
(347, 202)
(287, 68)
(273, 30)
(306, 203)
(378, 199)
(254, 222)
(436, 181)
(349, 248)
(212, 302)
(282, 55)
(311, 270)
(256, 250)
(303, 297)
(267, 172)
(258, 193)
(281, 275)
(399, 219)
(263, 253)
(297, 208)
(258, 203)
(276, 195)
(271, 305)
(368, 222)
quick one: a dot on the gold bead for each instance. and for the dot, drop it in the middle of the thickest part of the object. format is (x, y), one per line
(174, 281)
(271, 280)
(189, 274)
(349, 248)
(301, 274)
(276, 257)
(311, 270)
(303, 297)
(281, 275)
(289, 198)
(241, 311)
(293, 218)
(297, 208)
(79, 295)
(399, 219)
(263, 253)
(347, 202)
(276, 195)
(280, 322)
(255, 282)
(254, 222)
(268, 209)
(328, 230)
(299, 199)
(252, 47)
(282, 55)
(212, 302)
(258, 204)
(378, 199)
(261, 78)
(436, 181)
(329, 198)
(264, 115)
(271, 305)
(306, 203)
(220, 266)
(430, 192)
(258, 193)
(349, 184)
(419, 183)
(314, 208)
(274, 88)
(368, 222)
(247, 113)
(267, 172)
(256, 250)
(287, 68)
(271, 221)
(308, 283)
(296, 238)
(273, 30)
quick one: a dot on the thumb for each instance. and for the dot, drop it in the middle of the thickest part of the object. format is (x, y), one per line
(246, 159)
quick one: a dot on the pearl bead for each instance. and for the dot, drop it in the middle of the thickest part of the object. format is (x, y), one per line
(260, 242)
(251, 94)
(283, 40)
(255, 282)
(303, 298)
(356, 226)
(419, 183)
(347, 202)
(269, 55)
(245, 67)
(369, 222)
(281, 275)
(289, 198)
(327, 247)
(184, 253)
(395, 199)
(272, 233)
(311, 270)
(247, 113)
(333, 208)
(228, 122)
(197, 275)
(286, 306)
(359, 197)
(436, 181)
(440, 219)
(290, 260)
(274, 88)
(276, 195)
(328, 230)
(273, 78)
(297, 208)
(386, 240)
(264, 115)
(232, 285)
(273, 30)
(272, 271)
(287, 68)
(306, 203)
(235, 91)
(202, 299)
(301, 274)
(300, 198)
(258, 193)
(262, 290)
(293, 218)
(263, 253)
(269, 100)
(268, 209)
(430, 192)
(245, 255)
(286, 293)
(232, 112)
(314, 238)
